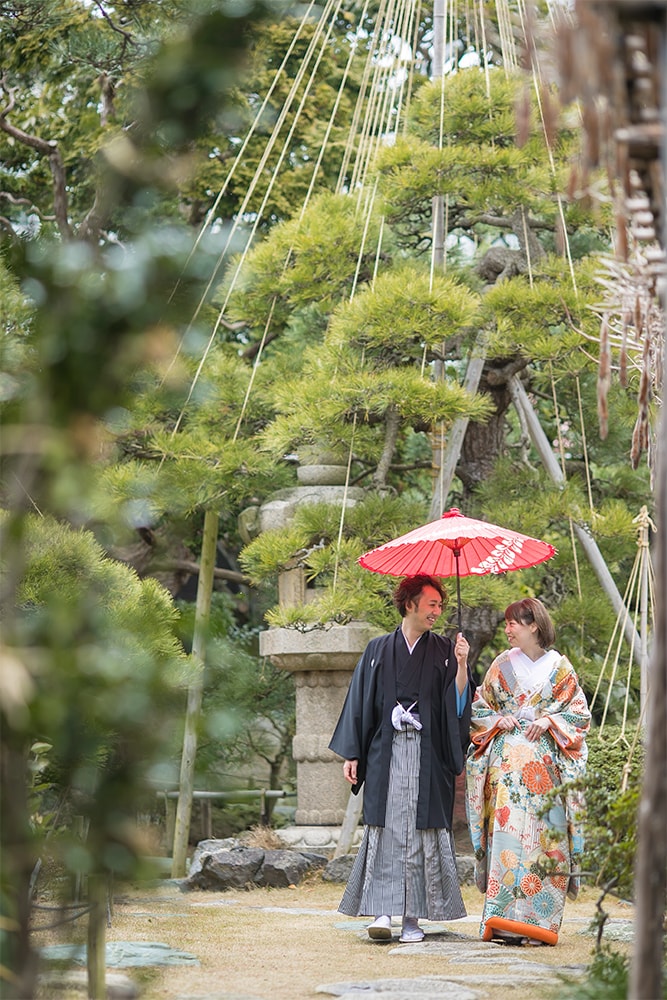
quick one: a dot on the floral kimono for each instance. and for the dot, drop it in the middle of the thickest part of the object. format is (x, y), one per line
(526, 861)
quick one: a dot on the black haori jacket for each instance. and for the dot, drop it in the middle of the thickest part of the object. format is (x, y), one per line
(364, 731)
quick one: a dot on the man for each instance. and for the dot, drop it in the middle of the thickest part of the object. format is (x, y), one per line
(403, 731)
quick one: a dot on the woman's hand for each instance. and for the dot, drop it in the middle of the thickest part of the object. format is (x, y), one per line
(350, 771)
(537, 728)
(508, 722)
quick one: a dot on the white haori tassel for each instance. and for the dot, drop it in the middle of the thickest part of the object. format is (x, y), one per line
(401, 717)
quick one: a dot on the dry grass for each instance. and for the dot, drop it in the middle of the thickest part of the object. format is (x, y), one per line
(258, 944)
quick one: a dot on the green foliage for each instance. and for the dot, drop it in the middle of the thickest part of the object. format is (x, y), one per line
(313, 534)
(463, 147)
(94, 667)
(610, 837)
(316, 259)
(470, 116)
(107, 692)
(249, 705)
(541, 318)
(372, 361)
(404, 310)
(58, 56)
(343, 590)
(276, 176)
(606, 979)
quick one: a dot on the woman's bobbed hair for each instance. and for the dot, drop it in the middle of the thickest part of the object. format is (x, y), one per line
(531, 610)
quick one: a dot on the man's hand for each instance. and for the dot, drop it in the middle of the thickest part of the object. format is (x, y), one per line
(350, 771)
(461, 650)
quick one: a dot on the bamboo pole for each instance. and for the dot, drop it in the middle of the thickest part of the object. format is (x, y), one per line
(588, 543)
(195, 694)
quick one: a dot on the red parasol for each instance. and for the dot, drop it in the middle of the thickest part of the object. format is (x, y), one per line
(457, 545)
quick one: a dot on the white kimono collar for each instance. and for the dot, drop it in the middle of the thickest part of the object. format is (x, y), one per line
(532, 674)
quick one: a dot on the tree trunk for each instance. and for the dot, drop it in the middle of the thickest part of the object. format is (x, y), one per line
(445, 467)
(195, 693)
(484, 442)
(392, 428)
(18, 862)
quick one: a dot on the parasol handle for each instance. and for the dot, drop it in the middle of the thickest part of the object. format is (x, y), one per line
(457, 553)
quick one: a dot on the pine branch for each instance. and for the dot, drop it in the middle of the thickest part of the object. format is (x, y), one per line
(125, 35)
(47, 147)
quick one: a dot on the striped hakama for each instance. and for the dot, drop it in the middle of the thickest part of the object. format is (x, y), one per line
(400, 870)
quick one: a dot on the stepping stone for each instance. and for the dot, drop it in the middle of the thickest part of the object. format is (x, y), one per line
(122, 954)
(422, 987)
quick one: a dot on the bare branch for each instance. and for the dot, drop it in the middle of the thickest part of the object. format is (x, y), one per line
(6, 224)
(189, 566)
(32, 208)
(91, 225)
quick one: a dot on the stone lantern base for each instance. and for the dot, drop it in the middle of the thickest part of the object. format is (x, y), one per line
(322, 661)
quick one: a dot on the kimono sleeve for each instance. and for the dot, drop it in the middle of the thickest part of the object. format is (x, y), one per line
(487, 710)
(455, 727)
(355, 725)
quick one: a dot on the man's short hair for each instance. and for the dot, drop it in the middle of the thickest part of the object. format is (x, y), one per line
(409, 590)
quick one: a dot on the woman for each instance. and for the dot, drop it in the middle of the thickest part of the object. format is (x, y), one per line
(403, 732)
(528, 730)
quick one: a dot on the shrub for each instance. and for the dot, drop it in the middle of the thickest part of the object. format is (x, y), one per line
(611, 811)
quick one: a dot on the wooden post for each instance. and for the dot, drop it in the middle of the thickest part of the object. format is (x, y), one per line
(647, 978)
(169, 822)
(195, 693)
(97, 921)
(651, 861)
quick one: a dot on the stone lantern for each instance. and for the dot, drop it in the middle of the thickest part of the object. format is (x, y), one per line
(322, 661)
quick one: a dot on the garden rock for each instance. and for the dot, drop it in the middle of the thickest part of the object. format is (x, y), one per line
(121, 954)
(210, 847)
(284, 868)
(226, 869)
(465, 869)
(339, 869)
(216, 866)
